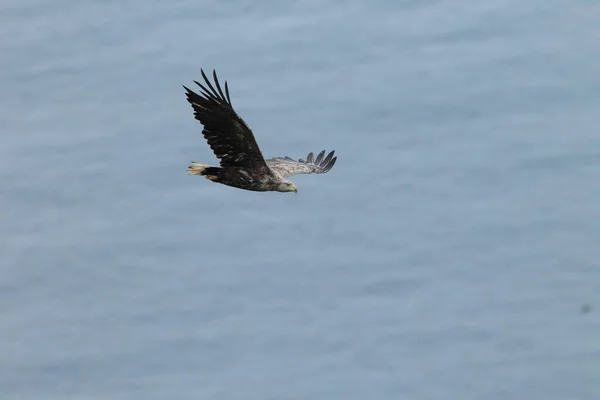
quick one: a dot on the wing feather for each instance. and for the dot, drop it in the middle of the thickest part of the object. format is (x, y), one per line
(328, 158)
(287, 166)
(229, 137)
(320, 157)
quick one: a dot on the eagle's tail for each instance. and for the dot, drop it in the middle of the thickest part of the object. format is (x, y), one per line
(197, 168)
(209, 172)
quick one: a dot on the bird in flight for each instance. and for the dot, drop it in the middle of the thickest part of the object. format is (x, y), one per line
(231, 140)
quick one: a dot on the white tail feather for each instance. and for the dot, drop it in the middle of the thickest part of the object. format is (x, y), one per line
(196, 168)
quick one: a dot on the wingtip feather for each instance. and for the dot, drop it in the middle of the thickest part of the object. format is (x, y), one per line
(328, 158)
(331, 163)
(320, 157)
(227, 93)
(218, 85)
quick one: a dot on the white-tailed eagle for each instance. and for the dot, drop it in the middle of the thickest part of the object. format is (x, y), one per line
(230, 138)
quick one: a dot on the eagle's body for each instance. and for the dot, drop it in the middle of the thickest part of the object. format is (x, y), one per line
(242, 164)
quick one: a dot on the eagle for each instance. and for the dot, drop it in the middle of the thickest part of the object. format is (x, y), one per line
(242, 164)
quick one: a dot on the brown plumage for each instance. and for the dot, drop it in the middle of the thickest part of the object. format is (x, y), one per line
(242, 164)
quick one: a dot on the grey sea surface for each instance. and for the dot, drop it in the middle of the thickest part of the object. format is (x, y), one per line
(452, 252)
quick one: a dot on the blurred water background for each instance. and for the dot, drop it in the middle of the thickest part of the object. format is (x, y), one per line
(452, 253)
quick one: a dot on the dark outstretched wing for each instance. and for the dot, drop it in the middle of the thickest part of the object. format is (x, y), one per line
(287, 166)
(229, 137)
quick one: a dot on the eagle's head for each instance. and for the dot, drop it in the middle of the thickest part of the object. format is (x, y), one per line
(287, 186)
